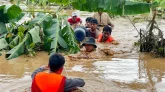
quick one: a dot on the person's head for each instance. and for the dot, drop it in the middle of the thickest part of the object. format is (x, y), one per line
(74, 16)
(106, 32)
(89, 44)
(94, 23)
(88, 19)
(56, 63)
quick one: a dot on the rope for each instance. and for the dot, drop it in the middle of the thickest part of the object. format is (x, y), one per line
(133, 25)
(66, 73)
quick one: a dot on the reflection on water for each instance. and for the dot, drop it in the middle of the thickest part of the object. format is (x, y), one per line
(147, 73)
(78, 68)
(122, 70)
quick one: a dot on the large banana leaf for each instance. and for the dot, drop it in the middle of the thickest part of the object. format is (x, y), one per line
(62, 42)
(162, 4)
(9, 12)
(55, 35)
(66, 2)
(3, 43)
(49, 27)
(21, 47)
(39, 19)
(68, 35)
(59, 38)
(51, 30)
(35, 34)
(136, 8)
(119, 7)
(18, 50)
(14, 42)
(17, 18)
(59, 1)
(2, 28)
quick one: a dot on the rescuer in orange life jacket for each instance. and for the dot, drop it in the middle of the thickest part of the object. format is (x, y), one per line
(53, 81)
(106, 36)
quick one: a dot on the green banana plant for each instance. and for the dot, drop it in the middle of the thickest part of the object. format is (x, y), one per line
(54, 33)
(8, 13)
(52, 29)
(31, 36)
(28, 35)
(3, 43)
(118, 7)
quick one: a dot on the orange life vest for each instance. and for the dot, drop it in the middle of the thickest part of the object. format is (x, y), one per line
(48, 82)
(110, 39)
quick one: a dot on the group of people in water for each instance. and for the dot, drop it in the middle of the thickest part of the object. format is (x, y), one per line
(93, 35)
(92, 26)
(53, 81)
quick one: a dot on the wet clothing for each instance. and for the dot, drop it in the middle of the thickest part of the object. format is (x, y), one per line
(69, 84)
(103, 20)
(78, 20)
(110, 39)
(95, 34)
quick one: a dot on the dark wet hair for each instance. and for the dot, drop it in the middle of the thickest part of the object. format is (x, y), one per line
(94, 21)
(107, 29)
(56, 61)
(88, 19)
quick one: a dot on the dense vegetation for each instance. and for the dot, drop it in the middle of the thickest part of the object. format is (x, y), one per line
(48, 30)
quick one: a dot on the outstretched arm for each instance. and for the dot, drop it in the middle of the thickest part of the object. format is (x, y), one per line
(73, 83)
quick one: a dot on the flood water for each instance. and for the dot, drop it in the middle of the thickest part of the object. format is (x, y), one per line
(126, 71)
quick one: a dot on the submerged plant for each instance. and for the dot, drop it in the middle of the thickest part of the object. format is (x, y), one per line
(151, 39)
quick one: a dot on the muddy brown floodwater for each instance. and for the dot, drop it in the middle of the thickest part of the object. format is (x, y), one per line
(126, 71)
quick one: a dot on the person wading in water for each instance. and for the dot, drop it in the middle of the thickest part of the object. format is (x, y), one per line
(53, 81)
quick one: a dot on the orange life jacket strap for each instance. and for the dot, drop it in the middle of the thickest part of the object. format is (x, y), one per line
(110, 39)
(48, 82)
